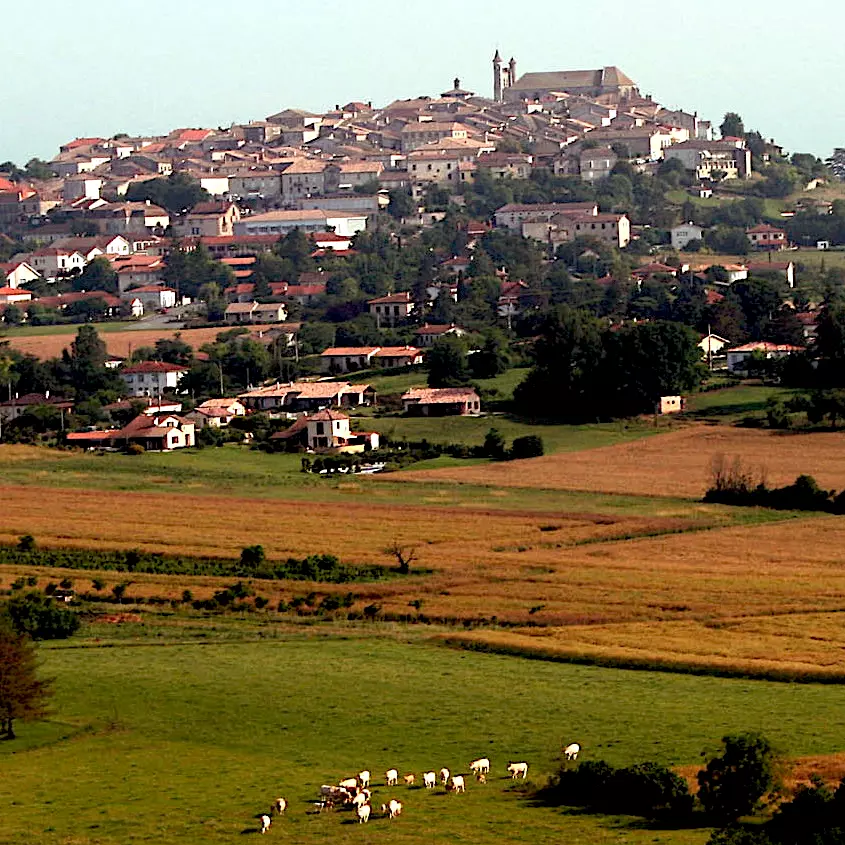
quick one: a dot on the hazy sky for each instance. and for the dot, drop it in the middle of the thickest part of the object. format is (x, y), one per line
(79, 68)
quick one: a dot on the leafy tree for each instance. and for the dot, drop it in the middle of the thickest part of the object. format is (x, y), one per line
(494, 445)
(13, 316)
(98, 274)
(732, 126)
(401, 203)
(296, 248)
(734, 783)
(40, 617)
(447, 363)
(493, 358)
(23, 695)
(85, 366)
(177, 193)
(529, 446)
(760, 300)
(173, 350)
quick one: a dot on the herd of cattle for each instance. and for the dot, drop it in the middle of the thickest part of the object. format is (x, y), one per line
(355, 792)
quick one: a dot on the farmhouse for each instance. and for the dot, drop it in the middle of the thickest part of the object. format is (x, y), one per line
(307, 396)
(17, 406)
(441, 402)
(328, 431)
(427, 335)
(740, 357)
(157, 433)
(216, 413)
(391, 309)
(344, 359)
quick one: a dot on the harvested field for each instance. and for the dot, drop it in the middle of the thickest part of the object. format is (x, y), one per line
(117, 343)
(675, 464)
(760, 598)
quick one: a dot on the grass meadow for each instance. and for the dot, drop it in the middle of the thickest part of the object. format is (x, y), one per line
(160, 738)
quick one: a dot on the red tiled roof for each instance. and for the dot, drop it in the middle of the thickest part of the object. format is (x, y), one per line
(405, 296)
(155, 367)
(440, 395)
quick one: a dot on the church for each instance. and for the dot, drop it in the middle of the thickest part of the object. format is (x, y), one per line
(537, 86)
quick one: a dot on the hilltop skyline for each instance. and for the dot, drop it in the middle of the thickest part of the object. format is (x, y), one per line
(204, 67)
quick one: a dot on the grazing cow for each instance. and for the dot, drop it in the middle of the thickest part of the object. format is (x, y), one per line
(481, 777)
(409, 780)
(364, 777)
(359, 800)
(458, 783)
(517, 769)
(280, 805)
(363, 813)
(348, 783)
(444, 776)
(429, 779)
(571, 751)
(392, 777)
(482, 765)
(394, 808)
(265, 823)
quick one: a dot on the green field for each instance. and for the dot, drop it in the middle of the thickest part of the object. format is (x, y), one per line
(156, 740)
(7, 333)
(392, 384)
(731, 403)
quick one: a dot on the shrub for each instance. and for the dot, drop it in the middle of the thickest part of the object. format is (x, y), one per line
(734, 783)
(26, 543)
(530, 446)
(135, 449)
(40, 617)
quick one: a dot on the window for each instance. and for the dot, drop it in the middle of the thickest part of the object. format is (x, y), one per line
(320, 428)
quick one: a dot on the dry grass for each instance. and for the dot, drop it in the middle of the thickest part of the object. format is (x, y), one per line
(674, 464)
(117, 343)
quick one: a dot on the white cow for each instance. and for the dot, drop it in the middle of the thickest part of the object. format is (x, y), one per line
(359, 800)
(458, 783)
(392, 777)
(409, 780)
(364, 777)
(363, 813)
(444, 776)
(394, 808)
(480, 766)
(571, 751)
(280, 805)
(348, 783)
(265, 823)
(517, 769)
(429, 779)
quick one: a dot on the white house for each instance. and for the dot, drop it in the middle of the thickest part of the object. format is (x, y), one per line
(391, 309)
(53, 262)
(13, 274)
(153, 297)
(739, 356)
(683, 234)
(152, 378)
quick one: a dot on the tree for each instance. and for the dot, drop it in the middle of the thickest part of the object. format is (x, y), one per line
(732, 126)
(22, 694)
(405, 555)
(98, 274)
(40, 617)
(494, 445)
(734, 783)
(447, 363)
(85, 364)
(401, 203)
(177, 193)
(493, 358)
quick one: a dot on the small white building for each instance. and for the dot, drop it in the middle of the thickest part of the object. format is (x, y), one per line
(152, 297)
(683, 234)
(391, 309)
(152, 378)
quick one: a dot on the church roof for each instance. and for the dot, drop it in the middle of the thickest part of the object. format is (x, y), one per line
(564, 80)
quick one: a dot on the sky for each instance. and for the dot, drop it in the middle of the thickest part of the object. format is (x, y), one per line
(86, 68)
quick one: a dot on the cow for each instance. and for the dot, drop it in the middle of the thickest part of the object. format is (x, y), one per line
(458, 783)
(392, 777)
(571, 751)
(394, 808)
(480, 766)
(363, 813)
(409, 780)
(279, 805)
(364, 777)
(265, 823)
(444, 776)
(429, 779)
(359, 800)
(517, 769)
(348, 783)
(481, 777)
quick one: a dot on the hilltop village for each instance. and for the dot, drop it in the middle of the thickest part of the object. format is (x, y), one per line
(450, 237)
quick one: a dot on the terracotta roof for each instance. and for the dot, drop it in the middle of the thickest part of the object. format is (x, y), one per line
(405, 297)
(397, 352)
(333, 351)
(155, 367)
(766, 346)
(435, 330)
(439, 395)
(327, 416)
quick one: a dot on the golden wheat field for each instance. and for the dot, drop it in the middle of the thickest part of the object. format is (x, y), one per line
(678, 463)
(117, 343)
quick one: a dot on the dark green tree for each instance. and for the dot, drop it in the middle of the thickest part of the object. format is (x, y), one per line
(734, 783)
(447, 363)
(732, 126)
(23, 695)
(98, 274)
